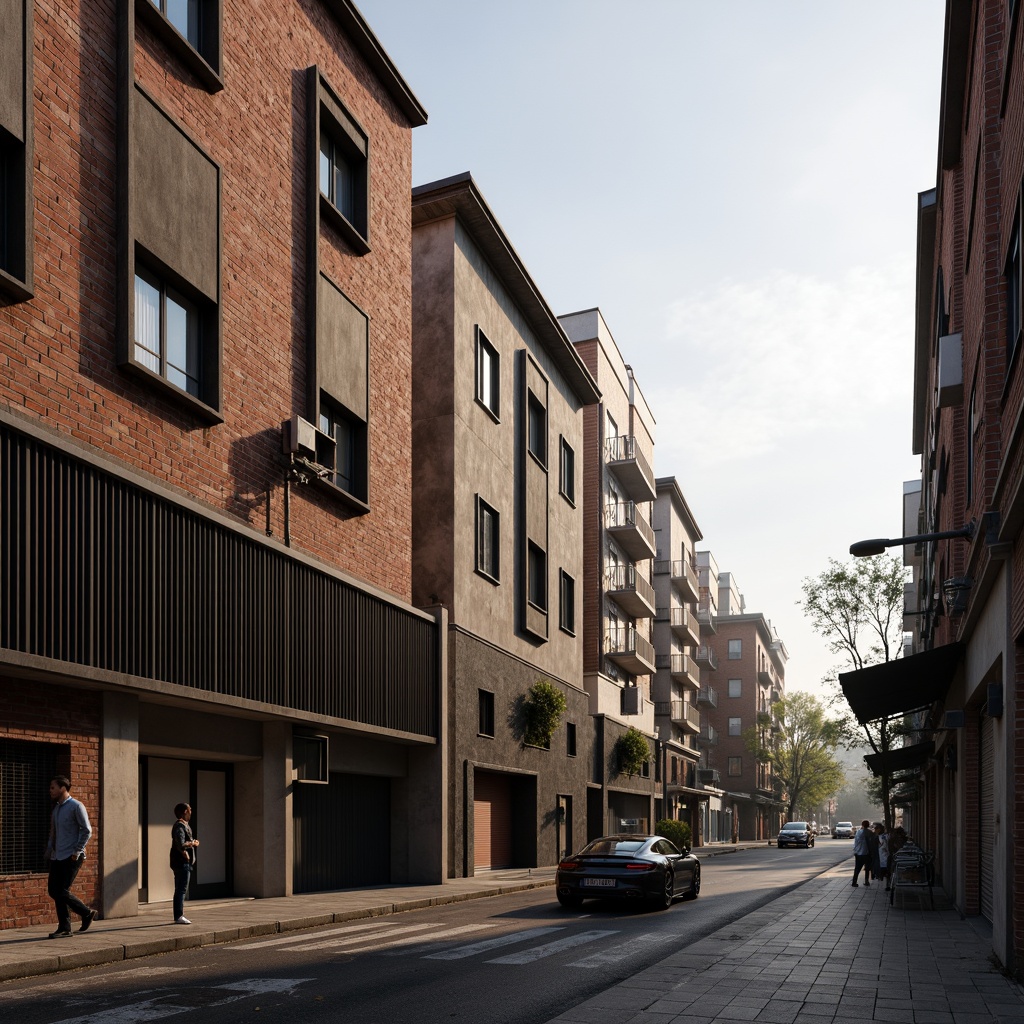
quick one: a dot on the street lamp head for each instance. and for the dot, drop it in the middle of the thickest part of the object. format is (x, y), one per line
(865, 548)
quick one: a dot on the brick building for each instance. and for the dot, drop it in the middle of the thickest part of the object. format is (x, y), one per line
(204, 235)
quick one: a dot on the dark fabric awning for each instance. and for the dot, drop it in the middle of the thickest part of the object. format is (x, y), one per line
(901, 759)
(901, 686)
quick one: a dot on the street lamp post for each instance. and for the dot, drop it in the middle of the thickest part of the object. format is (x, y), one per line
(866, 548)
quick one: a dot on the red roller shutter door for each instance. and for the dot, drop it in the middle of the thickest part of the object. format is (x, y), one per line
(492, 821)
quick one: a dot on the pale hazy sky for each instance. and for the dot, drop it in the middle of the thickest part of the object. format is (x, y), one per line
(735, 186)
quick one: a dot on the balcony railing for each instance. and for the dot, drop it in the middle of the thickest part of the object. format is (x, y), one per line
(707, 657)
(630, 590)
(631, 467)
(684, 624)
(708, 734)
(708, 625)
(683, 668)
(684, 576)
(631, 530)
(708, 695)
(629, 650)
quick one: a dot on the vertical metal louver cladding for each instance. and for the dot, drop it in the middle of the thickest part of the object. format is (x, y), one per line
(99, 572)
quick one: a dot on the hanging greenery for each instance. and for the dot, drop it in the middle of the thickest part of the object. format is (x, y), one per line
(632, 750)
(543, 707)
(676, 831)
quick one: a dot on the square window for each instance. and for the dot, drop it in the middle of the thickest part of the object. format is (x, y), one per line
(168, 333)
(537, 572)
(735, 687)
(537, 439)
(570, 739)
(347, 461)
(567, 472)
(487, 521)
(735, 727)
(735, 650)
(487, 374)
(735, 766)
(486, 705)
(567, 603)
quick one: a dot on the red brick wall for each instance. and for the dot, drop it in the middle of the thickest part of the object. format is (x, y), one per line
(55, 715)
(58, 351)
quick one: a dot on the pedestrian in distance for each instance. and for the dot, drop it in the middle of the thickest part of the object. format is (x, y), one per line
(883, 854)
(862, 854)
(65, 853)
(183, 858)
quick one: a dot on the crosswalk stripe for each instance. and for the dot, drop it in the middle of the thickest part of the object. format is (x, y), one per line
(345, 940)
(294, 937)
(606, 957)
(416, 939)
(461, 952)
(527, 956)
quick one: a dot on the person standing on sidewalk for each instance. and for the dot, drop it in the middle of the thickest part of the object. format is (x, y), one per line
(883, 853)
(65, 851)
(861, 854)
(872, 868)
(183, 856)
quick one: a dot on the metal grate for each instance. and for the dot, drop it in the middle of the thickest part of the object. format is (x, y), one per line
(26, 768)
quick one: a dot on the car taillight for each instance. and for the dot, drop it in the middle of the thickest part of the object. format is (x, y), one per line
(638, 866)
(568, 865)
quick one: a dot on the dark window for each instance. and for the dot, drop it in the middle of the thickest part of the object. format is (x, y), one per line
(26, 768)
(487, 374)
(537, 430)
(735, 650)
(6, 196)
(168, 333)
(567, 472)
(645, 770)
(570, 739)
(537, 566)
(969, 471)
(1013, 292)
(735, 765)
(487, 537)
(344, 171)
(486, 705)
(567, 603)
(347, 460)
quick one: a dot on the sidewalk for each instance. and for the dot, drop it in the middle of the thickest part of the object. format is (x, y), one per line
(825, 953)
(25, 952)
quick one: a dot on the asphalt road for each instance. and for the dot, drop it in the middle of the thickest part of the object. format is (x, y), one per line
(519, 958)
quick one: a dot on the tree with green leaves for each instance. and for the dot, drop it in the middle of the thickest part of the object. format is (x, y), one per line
(797, 740)
(858, 608)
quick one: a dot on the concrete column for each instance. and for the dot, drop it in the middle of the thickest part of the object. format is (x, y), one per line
(119, 805)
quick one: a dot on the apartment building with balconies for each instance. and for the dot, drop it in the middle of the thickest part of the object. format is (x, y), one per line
(204, 235)
(499, 394)
(677, 686)
(619, 602)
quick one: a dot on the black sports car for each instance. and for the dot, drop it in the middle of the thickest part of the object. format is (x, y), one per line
(628, 866)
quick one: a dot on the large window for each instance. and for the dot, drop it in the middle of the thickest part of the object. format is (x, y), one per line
(567, 472)
(344, 171)
(26, 768)
(735, 650)
(168, 334)
(487, 538)
(537, 571)
(348, 469)
(487, 374)
(567, 603)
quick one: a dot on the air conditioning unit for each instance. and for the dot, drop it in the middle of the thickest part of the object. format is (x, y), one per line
(298, 437)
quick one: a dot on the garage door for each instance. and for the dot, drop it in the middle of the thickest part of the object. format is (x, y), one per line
(492, 821)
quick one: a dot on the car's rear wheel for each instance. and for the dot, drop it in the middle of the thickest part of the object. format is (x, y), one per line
(694, 891)
(666, 897)
(570, 902)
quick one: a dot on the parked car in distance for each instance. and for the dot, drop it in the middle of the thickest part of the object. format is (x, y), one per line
(628, 867)
(796, 833)
(843, 830)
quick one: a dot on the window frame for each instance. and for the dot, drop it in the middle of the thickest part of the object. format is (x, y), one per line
(333, 417)
(203, 61)
(485, 713)
(566, 603)
(483, 511)
(487, 358)
(1012, 276)
(739, 688)
(570, 739)
(738, 655)
(536, 417)
(536, 576)
(736, 761)
(737, 729)
(566, 470)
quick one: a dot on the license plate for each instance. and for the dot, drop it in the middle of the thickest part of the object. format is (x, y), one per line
(600, 882)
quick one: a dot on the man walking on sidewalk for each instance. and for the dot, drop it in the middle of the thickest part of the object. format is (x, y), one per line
(862, 854)
(65, 850)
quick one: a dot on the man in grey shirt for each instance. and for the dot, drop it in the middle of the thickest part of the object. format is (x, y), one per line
(65, 850)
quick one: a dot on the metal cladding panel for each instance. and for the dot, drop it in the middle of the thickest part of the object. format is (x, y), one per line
(96, 571)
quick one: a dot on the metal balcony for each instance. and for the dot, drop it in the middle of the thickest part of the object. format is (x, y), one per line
(683, 623)
(632, 532)
(708, 695)
(625, 459)
(630, 651)
(765, 678)
(708, 623)
(684, 577)
(706, 656)
(684, 670)
(708, 734)
(630, 591)
(685, 715)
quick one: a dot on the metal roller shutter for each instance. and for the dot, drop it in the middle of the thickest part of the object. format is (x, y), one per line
(986, 814)
(492, 821)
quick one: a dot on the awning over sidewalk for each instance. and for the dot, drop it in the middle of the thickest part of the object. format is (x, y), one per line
(901, 686)
(901, 759)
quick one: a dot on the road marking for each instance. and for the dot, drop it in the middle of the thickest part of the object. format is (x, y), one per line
(527, 956)
(335, 943)
(617, 953)
(461, 952)
(158, 1007)
(417, 939)
(377, 923)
